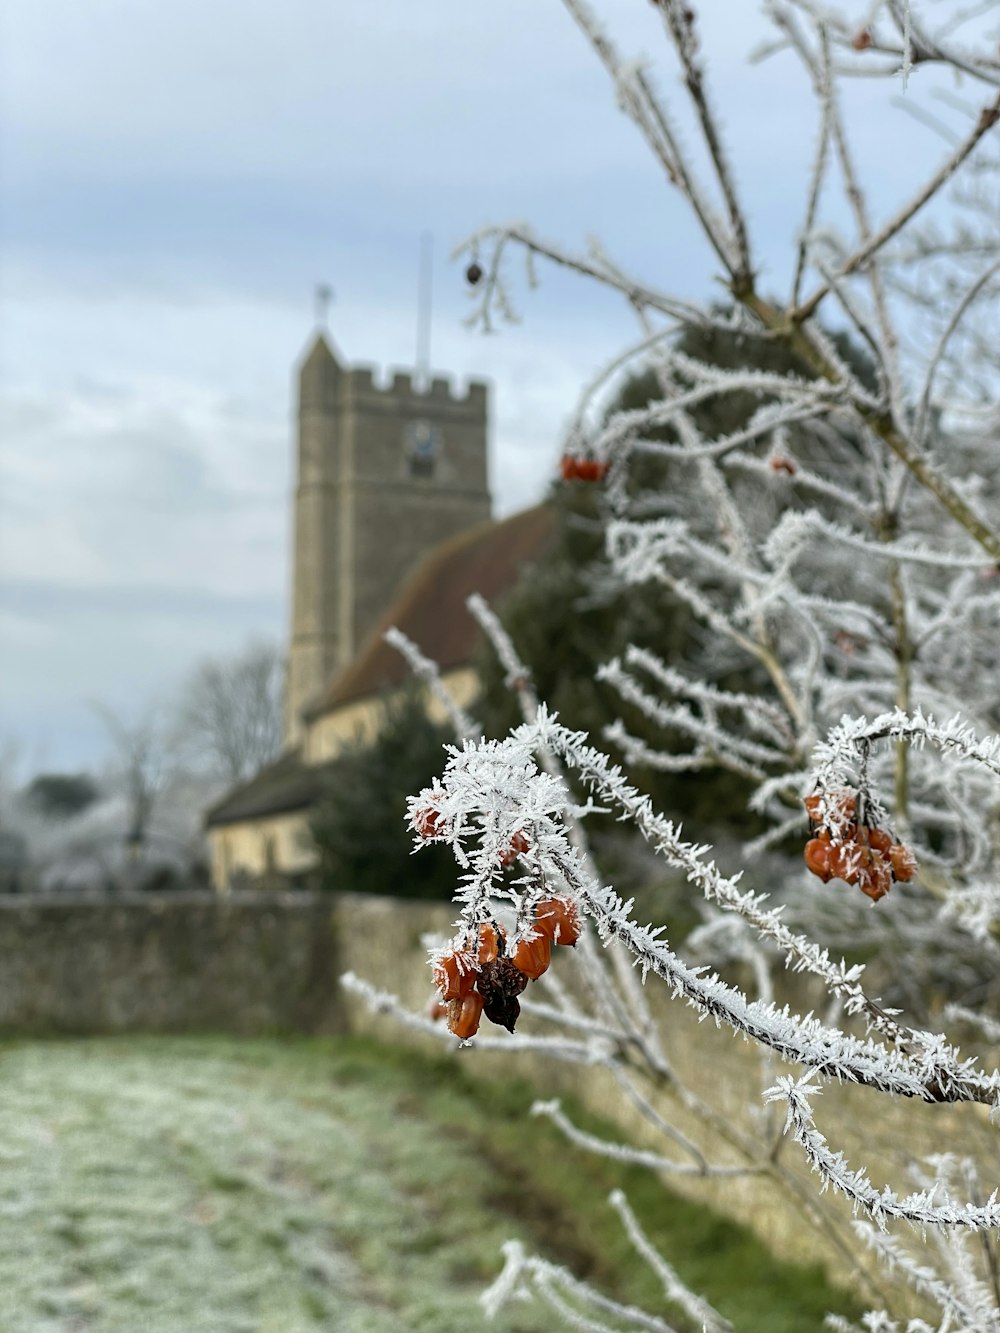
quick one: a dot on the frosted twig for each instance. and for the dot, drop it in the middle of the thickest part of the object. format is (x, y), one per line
(695, 1307)
(522, 1272)
(623, 1152)
(895, 224)
(920, 1208)
(427, 671)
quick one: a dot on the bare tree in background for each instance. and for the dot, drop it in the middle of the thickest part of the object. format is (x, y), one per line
(143, 763)
(229, 717)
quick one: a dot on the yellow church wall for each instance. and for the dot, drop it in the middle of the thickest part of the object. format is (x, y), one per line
(328, 734)
(258, 849)
(282, 845)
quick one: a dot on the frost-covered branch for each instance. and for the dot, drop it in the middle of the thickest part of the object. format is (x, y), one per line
(427, 671)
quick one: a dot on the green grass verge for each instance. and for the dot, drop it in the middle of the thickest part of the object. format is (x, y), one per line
(290, 1186)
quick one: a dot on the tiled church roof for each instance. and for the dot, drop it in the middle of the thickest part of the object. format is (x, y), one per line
(430, 607)
(281, 787)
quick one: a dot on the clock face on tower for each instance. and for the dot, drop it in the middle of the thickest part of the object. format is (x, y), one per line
(422, 442)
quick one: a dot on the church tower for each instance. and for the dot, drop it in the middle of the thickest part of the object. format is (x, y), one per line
(384, 475)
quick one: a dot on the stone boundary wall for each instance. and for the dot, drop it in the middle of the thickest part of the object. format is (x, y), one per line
(247, 963)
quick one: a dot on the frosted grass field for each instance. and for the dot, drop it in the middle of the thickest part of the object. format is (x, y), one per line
(224, 1186)
(172, 1185)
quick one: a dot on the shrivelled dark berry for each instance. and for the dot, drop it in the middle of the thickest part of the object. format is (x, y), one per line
(473, 274)
(500, 983)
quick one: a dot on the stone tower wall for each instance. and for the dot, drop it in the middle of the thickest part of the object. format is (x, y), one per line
(314, 648)
(397, 517)
(364, 514)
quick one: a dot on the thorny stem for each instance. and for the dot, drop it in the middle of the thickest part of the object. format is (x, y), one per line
(904, 652)
(992, 1267)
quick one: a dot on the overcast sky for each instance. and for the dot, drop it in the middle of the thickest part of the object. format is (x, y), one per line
(176, 179)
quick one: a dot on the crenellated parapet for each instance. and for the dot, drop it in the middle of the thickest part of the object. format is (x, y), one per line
(406, 391)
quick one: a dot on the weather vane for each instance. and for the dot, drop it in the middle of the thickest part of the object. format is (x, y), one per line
(324, 298)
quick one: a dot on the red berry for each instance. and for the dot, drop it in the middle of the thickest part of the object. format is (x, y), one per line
(559, 919)
(489, 945)
(454, 973)
(464, 1015)
(519, 844)
(428, 821)
(904, 863)
(532, 957)
(845, 862)
(582, 469)
(875, 879)
(861, 40)
(817, 856)
(879, 840)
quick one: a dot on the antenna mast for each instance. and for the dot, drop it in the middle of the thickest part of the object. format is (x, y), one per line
(424, 289)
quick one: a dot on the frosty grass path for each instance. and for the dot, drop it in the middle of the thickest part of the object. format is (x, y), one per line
(205, 1184)
(174, 1185)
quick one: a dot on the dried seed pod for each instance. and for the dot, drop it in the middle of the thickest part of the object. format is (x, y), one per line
(474, 274)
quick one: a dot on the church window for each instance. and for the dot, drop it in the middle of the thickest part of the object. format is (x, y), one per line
(423, 444)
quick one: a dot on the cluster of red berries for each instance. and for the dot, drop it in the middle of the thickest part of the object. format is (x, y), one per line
(861, 855)
(483, 979)
(582, 469)
(430, 822)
